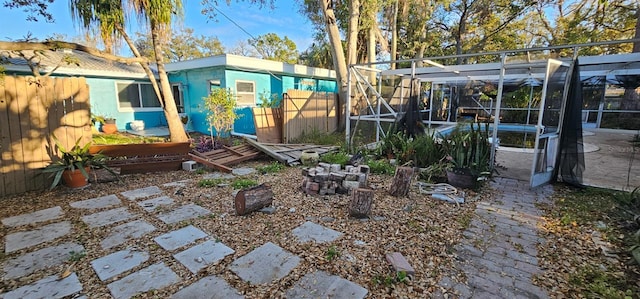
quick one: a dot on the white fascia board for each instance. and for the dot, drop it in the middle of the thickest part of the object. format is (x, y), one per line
(77, 72)
(251, 64)
(607, 59)
(211, 61)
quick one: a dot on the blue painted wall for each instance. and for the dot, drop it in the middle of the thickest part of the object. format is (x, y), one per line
(104, 102)
(196, 86)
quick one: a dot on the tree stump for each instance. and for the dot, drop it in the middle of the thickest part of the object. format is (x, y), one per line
(361, 200)
(401, 182)
(253, 199)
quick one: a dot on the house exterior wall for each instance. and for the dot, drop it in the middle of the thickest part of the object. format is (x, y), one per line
(196, 86)
(104, 102)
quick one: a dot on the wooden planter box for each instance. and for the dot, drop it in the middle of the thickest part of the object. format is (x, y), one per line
(145, 157)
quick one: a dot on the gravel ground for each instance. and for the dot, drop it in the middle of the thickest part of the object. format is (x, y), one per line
(424, 230)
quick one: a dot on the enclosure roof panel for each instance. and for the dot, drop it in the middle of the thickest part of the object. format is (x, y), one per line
(590, 66)
(80, 64)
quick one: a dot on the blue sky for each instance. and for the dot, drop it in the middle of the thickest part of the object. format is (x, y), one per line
(284, 20)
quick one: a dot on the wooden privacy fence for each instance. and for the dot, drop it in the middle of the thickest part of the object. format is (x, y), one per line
(306, 111)
(30, 113)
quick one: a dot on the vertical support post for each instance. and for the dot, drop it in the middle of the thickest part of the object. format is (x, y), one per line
(347, 109)
(496, 117)
(431, 103)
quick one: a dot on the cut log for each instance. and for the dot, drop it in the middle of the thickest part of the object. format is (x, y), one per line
(401, 182)
(253, 199)
(361, 200)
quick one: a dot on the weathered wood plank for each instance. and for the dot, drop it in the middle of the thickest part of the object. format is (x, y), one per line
(142, 149)
(6, 157)
(210, 163)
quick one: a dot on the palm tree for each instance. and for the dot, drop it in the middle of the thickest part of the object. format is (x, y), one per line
(108, 18)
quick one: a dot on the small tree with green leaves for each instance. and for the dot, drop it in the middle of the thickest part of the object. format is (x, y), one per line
(221, 114)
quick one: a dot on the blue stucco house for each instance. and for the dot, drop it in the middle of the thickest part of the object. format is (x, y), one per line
(116, 90)
(122, 91)
(252, 80)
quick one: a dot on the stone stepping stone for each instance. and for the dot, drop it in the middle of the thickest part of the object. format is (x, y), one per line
(154, 277)
(20, 240)
(218, 175)
(182, 183)
(265, 264)
(48, 287)
(141, 193)
(41, 259)
(107, 217)
(321, 284)
(178, 238)
(183, 213)
(199, 256)
(210, 287)
(242, 171)
(150, 205)
(118, 262)
(125, 232)
(310, 231)
(97, 203)
(32, 218)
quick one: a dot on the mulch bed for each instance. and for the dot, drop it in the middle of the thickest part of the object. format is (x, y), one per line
(424, 230)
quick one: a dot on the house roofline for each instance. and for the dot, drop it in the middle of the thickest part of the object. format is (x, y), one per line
(250, 63)
(76, 72)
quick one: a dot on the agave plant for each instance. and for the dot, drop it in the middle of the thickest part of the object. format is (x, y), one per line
(76, 158)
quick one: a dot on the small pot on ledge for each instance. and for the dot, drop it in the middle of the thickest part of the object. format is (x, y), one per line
(109, 126)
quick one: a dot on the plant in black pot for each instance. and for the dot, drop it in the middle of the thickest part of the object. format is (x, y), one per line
(75, 164)
(468, 151)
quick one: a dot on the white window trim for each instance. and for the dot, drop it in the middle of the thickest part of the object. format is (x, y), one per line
(133, 109)
(245, 93)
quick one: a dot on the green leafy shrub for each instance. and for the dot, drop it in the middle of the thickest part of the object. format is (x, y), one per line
(208, 183)
(271, 168)
(221, 114)
(335, 158)
(243, 183)
(381, 167)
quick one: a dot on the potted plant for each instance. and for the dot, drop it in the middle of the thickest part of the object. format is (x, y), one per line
(468, 153)
(74, 165)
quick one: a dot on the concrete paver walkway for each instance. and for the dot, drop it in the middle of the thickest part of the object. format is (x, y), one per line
(498, 252)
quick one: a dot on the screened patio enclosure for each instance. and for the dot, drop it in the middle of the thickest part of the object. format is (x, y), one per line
(522, 94)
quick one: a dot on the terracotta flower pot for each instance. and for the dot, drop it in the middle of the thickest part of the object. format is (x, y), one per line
(109, 128)
(75, 178)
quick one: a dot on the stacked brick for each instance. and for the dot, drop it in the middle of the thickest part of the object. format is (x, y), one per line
(329, 179)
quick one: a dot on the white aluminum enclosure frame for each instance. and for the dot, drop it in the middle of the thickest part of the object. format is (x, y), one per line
(379, 110)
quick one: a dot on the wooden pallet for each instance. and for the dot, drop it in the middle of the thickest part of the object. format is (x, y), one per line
(289, 154)
(221, 159)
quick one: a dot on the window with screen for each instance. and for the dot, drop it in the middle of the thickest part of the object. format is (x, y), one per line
(134, 95)
(246, 93)
(177, 97)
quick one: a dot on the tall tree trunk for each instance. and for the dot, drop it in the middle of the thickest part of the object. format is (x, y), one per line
(339, 61)
(394, 35)
(352, 35)
(176, 129)
(636, 44)
(372, 53)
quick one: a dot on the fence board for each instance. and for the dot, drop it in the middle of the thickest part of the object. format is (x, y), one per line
(29, 113)
(16, 176)
(5, 144)
(305, 111)
(21, 152)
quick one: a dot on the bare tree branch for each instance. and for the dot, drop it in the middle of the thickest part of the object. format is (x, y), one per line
(53, 45)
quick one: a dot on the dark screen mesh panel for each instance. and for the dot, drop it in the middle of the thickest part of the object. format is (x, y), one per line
(571, 158)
